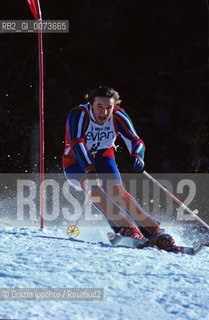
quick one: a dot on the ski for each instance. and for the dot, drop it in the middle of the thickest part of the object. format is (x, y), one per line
(120, 241)
(127, 242)
(192, 250)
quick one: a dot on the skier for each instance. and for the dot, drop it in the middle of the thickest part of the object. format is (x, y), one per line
(91, 130)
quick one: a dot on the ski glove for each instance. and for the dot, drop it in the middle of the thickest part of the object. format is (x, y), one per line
(137, 164)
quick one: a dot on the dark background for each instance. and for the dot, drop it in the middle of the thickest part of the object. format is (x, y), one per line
(155, 53)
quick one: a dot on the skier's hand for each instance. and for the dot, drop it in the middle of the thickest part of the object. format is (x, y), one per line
(137, 164)
(90, 181)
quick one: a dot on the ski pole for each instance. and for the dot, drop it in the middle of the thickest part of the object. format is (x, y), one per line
(86, 200)
(176, 199)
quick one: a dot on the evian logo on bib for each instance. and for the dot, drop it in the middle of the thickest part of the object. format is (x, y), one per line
(100, 137)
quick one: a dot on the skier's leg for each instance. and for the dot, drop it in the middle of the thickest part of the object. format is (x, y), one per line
(112, 185)
(117, 194)
(149, 226)
(100, 201)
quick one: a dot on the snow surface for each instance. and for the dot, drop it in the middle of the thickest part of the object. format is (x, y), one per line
(138, 284)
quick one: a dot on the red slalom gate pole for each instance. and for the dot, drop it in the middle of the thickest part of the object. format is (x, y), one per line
(36, 10)
(41, 111)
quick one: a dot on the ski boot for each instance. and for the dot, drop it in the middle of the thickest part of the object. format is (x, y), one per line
(164, 241)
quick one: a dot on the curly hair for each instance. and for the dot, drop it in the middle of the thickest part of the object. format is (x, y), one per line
(104, 92)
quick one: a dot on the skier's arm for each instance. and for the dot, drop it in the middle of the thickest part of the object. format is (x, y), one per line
(77, 124)
(125, 128)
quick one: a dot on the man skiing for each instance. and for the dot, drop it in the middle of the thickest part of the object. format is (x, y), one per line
(91, 130)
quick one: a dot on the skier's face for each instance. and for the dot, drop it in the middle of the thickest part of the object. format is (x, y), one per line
(102, 109)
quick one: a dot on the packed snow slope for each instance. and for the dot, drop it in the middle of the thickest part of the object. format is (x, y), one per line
(138, 284)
